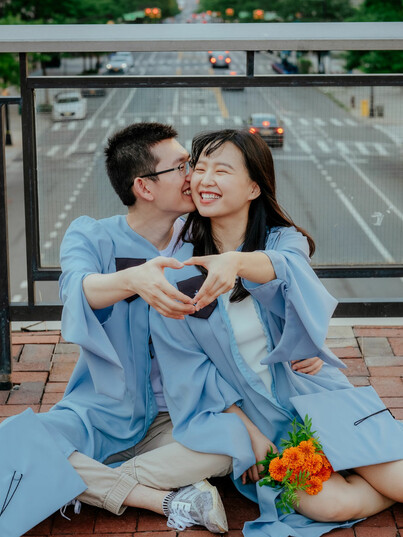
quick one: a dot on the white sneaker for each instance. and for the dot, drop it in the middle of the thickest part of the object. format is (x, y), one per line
(196, 504)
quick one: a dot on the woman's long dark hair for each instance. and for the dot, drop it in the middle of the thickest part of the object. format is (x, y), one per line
(264, 212)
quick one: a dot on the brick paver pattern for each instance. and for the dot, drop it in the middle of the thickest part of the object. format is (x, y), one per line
(42, 365)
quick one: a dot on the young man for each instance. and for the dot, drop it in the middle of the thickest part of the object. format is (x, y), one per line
(113, 408)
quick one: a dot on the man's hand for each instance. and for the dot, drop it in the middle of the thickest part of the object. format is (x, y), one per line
(149, 282)
(310, 366)
(222, 272)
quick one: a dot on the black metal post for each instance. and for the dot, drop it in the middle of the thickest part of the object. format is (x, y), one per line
(5, 323)
(8, 133)
(250, 63)
(371, 102)
(30, 179)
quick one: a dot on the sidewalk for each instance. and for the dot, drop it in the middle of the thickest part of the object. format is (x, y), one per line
(43, 363)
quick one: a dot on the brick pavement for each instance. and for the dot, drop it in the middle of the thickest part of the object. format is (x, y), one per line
(43, 363)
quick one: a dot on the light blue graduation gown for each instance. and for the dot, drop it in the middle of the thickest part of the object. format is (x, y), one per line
(201, 368)
(109, 402)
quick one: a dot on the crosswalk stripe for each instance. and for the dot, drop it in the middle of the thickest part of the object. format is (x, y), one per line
(169, 120)
(319, 121)
(72, 126)
(91, 147)
(238, 121)
(323, 145)
(287, 121)
(185, 120)
(137, 120)
(203, 120)
(304, 146)
(381, 150)
(341, 146)
(219, 120)
(351, 122)
(336, 122)
(105, 123)
(122, 121)
(53, 150)
(56, 126)
(303, 121)
(361, 148)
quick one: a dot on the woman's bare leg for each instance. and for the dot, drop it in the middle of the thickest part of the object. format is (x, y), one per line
(342, 499)
(386, 478)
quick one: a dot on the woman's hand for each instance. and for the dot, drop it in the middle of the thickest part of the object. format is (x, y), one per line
(310, 366)
(260, 445)
(222, 272)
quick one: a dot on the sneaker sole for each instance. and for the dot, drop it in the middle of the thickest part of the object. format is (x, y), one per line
(217, 516)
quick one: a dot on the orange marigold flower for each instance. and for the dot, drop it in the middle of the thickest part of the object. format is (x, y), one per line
(277, 469)
(326, 463)
(293, 458)
(313, 463)
(315, 485)
(307, 447)
(324, 473)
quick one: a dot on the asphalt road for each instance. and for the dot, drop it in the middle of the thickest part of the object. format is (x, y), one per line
(338, 176)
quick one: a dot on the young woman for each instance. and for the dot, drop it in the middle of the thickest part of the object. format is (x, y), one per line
(228, 369)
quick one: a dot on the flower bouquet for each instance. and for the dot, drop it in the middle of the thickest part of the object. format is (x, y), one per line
(301, 465)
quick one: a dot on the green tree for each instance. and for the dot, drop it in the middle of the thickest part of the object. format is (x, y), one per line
(377, 61)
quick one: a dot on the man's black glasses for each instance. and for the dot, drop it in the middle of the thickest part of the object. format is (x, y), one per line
(184, 168)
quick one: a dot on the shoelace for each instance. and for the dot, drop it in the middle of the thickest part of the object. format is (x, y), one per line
(179, 519)
(77, 508)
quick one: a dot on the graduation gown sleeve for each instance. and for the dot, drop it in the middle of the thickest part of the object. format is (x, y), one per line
(197, 395)
(87, 249)
(297, 305)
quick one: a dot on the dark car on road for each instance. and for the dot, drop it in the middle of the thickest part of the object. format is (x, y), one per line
(268, 127)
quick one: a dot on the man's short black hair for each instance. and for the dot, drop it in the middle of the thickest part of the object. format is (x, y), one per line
(128, 155)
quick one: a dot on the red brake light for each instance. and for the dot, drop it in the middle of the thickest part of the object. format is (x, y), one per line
(252, 130)
(266, 123)
(213, 60)
(280, 130)
(227, 60)
(210, 52)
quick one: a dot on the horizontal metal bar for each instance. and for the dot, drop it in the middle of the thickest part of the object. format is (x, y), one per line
(369, 308)
(202, 37)
(40, 312)
(395, 271)
(10, 100)
(39, 82)
(346, 308)
(47, 275)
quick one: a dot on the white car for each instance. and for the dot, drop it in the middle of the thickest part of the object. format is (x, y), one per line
(120, 63)
(69, 105)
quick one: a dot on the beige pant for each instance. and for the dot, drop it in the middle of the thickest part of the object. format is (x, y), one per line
(157, 461)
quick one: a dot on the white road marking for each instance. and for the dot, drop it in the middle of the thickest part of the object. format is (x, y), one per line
(53, 150)
(351, 122)
(185, 120)
(72, 126)
(238, 121)
(379, 192)
(219, 120)
(303, 121)
(105, 123)
(72, 148)
(387, 256)
(91, 147)
(287, 121)
(56, 127)
(336, 122)
(319, 121)
(361, 148)
(304, 146)
(342, 147)
(381, 150)
(203, 120)
(323, 145)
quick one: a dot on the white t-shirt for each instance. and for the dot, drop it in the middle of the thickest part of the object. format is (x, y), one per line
(155, 374)
(249, 335)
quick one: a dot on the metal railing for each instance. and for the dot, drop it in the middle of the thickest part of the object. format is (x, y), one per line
(162, 38)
